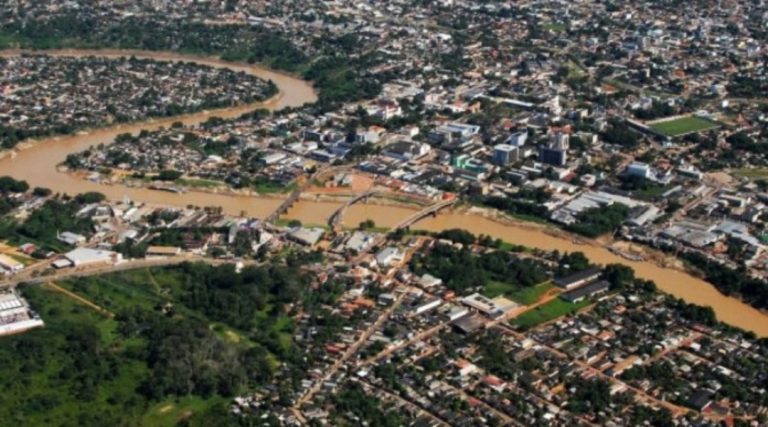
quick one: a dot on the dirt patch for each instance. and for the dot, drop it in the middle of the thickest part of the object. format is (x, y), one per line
(721, 177)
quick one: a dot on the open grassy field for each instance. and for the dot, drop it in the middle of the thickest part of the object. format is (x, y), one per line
(273, 188)
(528, 296)
(522, 295)
(652, 191)
(199, 183)
(549, 311)
(172, 411)
(751, 173)
(683, 125)
(44, 384)
(557, 27)
(135, 288)
(86, 368)
(495, 288)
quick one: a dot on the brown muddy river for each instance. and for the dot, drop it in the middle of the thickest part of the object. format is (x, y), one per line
(675, 282)
(670, 280)
(37, 165)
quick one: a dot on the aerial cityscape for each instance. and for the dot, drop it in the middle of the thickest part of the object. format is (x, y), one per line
(384, 213)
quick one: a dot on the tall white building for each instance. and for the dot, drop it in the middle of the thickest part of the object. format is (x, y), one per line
(504, 154)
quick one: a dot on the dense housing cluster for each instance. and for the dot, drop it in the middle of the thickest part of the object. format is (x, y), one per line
(44, 95)
(614, 119)
(443, 329)
(644, 121)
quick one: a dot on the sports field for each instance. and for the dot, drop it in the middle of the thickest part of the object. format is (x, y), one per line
(683, 125)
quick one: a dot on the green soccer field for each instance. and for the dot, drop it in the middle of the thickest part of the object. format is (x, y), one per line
(683, 126)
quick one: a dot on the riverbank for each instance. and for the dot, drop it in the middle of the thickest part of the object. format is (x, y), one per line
(149, 124)
(672, 280)
(37, 165)
(291, 90)
(36, 161)
(670, 276)
(186, 184)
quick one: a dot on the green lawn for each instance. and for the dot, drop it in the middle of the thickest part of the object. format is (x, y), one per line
(84, 368)
(199, 183)
(549, 311)
(528, 296)
(114, 292)
(170, 412)
(265, 187)
(7, 41)
(528, 218)
(652, 191)
(751, 173)
(522, 295)
(495, 288)
(512, 247)
(683, 126)
(557, 27)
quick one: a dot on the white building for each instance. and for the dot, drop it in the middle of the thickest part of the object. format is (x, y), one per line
(359, 241)
(273, 158)
(306, 236)
(10, 265)
(431, 305)
(87, 256)
(388, 256)
(504, 154)
(15, 314)
(429, 281)
(518, 139)
(492, 307)
(639, 169)
(71, 239)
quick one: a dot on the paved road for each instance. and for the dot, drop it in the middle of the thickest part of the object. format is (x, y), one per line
(72, 272)
(351, 351)
(639, 394)
(414, 406)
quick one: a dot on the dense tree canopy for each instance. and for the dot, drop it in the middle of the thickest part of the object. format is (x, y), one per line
(464, 270)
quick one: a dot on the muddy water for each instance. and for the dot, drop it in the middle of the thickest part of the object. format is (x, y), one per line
(318, 212)
(674, 282)
(671, 281)
(37, 163)
(383, 216)
(312, 212)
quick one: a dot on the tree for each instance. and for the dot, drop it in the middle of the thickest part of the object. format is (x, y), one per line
(598, 221)
(169, 175)
(10, 185)
(457, 235)
(90, 198)
(41, 192)
(572, 263)
(618, 275)
(368, 224)
(621, 134)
